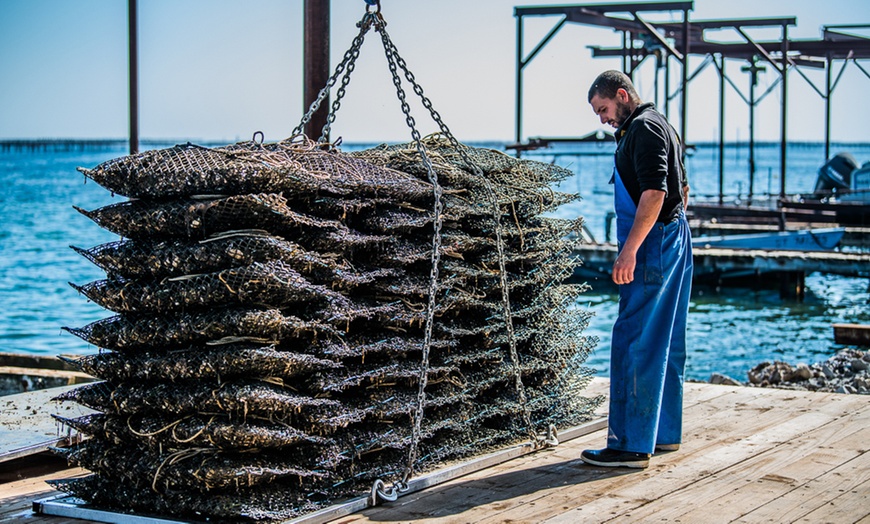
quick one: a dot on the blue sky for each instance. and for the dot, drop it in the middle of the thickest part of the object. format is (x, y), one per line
(223, 69)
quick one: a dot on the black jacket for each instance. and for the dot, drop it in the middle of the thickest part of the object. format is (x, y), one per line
(649, 156)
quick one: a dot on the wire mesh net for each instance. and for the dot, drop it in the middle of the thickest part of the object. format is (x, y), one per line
(271, 345)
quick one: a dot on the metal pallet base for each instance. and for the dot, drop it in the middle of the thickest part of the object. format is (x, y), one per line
(66, 506)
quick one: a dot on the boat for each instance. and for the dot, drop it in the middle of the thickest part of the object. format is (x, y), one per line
(819, 239)
(841, 197)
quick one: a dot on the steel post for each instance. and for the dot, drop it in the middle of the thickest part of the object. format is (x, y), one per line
(133, 63)
(316, 67)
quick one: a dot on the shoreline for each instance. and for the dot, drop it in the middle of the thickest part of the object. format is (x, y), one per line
(846, 372)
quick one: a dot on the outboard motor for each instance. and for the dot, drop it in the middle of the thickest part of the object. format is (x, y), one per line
(835, 175)
(860, 185)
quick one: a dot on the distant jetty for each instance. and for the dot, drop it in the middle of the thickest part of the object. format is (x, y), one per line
(60, 144)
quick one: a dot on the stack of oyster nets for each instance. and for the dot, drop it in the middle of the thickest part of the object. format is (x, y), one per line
(265, 358)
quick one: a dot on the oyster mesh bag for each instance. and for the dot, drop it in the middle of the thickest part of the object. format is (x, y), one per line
(274, 326)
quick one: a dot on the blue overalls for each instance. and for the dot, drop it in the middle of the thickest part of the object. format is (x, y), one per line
(648, 351)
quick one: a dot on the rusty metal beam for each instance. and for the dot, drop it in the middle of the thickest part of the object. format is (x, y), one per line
(809, 48)
(133, 64)
(316, 67)
(811, 53)
(601, 8)
(744, 22)
(655, 34)
(829, 32)
(762, 51)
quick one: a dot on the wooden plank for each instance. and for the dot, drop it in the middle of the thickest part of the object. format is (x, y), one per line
(695, 479)
(536, 472)
(700, 458)
(22, 360)
(529, 489)
(73, 377)
(848, 507)
(856, 334)
(17, 497)
(765, 476)
(26, 426)
(848, 469)
(842, 490)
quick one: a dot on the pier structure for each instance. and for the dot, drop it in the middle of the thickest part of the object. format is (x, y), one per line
(749, 455)
(675, 41)
(754, 267)
(679, 39)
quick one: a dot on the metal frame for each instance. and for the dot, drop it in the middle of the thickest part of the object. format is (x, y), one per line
(597, 14)
(688, 39)
(66, 506)
(315, 68)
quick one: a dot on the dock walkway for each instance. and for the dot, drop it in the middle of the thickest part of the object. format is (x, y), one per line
(710, 260)
(750, 455)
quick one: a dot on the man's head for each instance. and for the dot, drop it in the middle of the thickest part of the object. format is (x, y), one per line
(613, 97)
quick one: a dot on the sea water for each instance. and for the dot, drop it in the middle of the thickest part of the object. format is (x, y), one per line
(730, 330)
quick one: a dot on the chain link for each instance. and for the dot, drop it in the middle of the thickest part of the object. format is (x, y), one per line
(506, 306)
(347, 62)
(437, 208)
(396, 62)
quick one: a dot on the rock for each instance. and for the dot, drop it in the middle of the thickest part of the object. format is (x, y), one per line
(847, 372)
(802, 372)
(756, 374)
(718, 378)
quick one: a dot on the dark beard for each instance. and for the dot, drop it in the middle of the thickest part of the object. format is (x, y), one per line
(623, 111)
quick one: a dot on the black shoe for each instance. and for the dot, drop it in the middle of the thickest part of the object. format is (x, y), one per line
(665, 448)
(612, 458)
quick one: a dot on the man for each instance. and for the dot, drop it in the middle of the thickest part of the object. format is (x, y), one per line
(653, 269)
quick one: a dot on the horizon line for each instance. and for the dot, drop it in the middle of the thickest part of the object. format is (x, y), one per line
(11, 142)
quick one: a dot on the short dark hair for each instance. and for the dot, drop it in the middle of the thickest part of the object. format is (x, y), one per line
(609, 82)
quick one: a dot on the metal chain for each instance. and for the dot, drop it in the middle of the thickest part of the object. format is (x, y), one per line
(396, 62)
(345, 80)
(508, 316)
(437, 208)
(348, 61)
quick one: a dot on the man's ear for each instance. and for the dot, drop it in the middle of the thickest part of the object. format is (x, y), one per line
(622, 95)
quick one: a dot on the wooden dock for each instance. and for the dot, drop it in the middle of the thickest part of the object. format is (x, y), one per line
(749, 455)
(752, 267)
(600, 258)
(26, 426)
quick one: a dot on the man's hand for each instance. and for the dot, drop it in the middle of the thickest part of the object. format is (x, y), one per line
(645, 217)
(623, 268)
